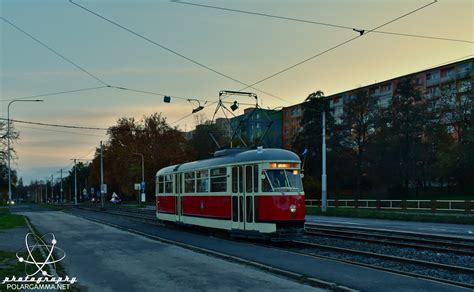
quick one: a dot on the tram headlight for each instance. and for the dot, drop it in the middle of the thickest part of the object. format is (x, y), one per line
(292, 208)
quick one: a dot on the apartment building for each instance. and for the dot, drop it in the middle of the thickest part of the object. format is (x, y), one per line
(456, 77)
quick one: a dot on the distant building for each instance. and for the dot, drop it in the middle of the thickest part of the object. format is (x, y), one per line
(258, 127)
(291, 118)
(457, 76)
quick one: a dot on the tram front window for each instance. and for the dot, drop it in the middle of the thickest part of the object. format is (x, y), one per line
(278, 180)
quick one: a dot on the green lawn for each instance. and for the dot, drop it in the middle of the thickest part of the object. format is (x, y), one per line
(8, 220)
(426, 216)
(9, 265)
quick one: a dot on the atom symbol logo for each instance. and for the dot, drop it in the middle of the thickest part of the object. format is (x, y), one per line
(32, 255)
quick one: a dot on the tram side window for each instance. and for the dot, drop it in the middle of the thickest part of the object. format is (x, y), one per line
(168, 184)
(202, 181)
(241, 179)
(234, 179)
(160, 185)
(248, 179)
(189, 185)
(255, 178)
(219, 179)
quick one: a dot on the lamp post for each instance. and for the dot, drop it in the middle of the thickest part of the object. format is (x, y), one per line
(142, 185)
(323, 172)
(8, 143)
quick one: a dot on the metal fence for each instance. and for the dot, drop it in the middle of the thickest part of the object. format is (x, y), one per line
(423, 205)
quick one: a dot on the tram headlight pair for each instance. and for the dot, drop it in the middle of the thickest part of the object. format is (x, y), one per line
(292, 208)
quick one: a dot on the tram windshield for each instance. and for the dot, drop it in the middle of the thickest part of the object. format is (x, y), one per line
(278, 180)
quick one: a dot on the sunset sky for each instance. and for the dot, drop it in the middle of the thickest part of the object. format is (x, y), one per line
(245, 47)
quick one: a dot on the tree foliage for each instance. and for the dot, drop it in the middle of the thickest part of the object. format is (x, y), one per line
(160, 144)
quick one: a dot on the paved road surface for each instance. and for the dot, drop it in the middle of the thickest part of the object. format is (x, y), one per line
(107, 259)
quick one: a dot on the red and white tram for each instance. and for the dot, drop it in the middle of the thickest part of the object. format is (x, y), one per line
(248, 192)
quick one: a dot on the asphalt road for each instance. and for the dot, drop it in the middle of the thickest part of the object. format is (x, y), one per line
(356, 277)
(104, 258)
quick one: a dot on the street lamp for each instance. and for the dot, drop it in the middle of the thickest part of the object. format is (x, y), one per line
(8, 143)
(142, 185)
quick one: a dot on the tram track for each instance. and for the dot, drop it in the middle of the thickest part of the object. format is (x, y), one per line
(443, 246)
(451, 274)
(316, 252)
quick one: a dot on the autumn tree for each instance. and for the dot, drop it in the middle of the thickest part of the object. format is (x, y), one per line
(399, 138)
(14, 136)
(160, 144)
(310, 138)
(358, 123)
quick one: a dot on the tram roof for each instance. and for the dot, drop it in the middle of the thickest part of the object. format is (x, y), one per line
(266, 154)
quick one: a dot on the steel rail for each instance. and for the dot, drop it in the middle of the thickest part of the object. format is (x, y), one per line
(458, 242)
(389, 257)
(435, 245)
(391, 270)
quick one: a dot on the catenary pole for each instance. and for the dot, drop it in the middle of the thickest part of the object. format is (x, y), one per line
(323, 174)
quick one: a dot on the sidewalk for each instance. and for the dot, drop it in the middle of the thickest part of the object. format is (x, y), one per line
(103, 258)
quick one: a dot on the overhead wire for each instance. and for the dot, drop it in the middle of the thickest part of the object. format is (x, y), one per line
(323, 52)
(54, 93)
(55, 52)
(314, 22)
(58, 131)
(160, 94)
(174, 51)
(340, 44)
(68, 60)
(56, 125)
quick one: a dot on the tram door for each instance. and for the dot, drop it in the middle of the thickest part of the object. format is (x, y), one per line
(242, 196)
(178, 185)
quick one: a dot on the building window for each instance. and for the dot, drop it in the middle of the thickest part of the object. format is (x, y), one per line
(431, 76)
(373, 90)
(447, 72)
(336, 99)
(386, 87)
(465, 86)
(296, 111)
(433, 91)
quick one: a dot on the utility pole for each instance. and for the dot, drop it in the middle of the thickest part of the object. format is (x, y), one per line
(102, 187)
(75, 178)
(10, 198)
(75, 182)
(52, 188)
(46, 185)
(61, 190)
(323, 175)
(142, 185)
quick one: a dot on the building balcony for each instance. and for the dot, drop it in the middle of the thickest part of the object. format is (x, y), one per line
(431, 82)
(463, 74)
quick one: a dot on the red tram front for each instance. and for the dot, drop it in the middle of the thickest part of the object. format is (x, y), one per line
(254, 192)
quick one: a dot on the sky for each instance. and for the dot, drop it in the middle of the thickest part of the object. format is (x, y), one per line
(245, 47)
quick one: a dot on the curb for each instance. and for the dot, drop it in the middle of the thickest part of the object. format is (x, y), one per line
(291, 275)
